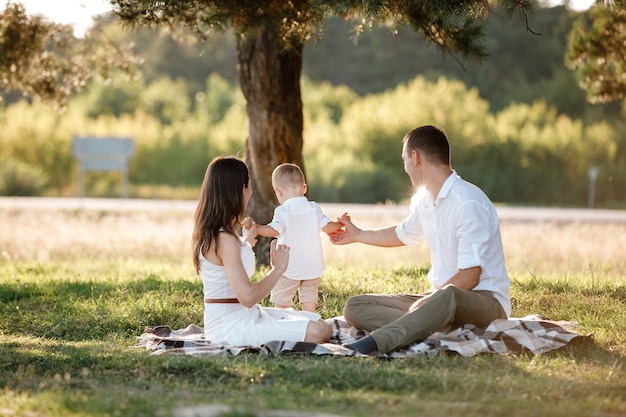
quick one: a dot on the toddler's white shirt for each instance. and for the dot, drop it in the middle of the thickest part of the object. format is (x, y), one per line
(298, 222)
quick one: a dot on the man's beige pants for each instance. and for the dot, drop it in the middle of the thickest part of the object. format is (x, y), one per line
(397, 320)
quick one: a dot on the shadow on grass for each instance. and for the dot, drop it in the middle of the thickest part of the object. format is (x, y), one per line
(90, 310)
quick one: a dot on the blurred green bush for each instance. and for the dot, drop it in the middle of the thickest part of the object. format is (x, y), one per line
(18, 178)
(524, 154)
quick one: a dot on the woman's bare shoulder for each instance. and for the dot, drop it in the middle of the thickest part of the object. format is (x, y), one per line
(228, 240)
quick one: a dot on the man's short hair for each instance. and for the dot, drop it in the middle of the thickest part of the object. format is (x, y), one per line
(432, 141)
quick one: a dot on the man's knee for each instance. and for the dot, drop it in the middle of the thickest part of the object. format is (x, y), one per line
(352, 309)
(446, 301)
(449, 292)
(446, 294)
(469, 306)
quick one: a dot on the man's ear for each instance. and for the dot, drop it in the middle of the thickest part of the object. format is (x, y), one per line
(417, 157)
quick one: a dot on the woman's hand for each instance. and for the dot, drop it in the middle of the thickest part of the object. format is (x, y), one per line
(279, 256)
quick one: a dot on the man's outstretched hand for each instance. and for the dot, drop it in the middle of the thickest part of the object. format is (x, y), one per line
(346, 234)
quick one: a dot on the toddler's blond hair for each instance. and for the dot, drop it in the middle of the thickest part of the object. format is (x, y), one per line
(288, 175)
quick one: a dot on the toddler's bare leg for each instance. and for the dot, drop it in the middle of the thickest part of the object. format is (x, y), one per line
(309, 307)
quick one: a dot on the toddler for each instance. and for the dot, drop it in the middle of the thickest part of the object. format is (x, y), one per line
(296, 223)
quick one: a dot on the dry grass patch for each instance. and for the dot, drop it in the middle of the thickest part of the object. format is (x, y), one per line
(594, 250)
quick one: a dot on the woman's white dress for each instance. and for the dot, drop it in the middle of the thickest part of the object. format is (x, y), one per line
(237, 325)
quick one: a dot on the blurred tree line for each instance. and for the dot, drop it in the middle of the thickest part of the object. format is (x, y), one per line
(522, 66)
(520, 127)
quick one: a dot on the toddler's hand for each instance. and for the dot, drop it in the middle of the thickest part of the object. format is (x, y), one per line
(248, 230)
(247, 223)
(347, 233)
(345, 217)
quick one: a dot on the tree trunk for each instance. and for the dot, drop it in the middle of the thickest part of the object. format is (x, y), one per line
(269, 77)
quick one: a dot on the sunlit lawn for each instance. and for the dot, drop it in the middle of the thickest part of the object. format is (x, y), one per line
(77, 287)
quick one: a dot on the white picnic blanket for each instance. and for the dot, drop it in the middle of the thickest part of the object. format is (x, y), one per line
(516, 335)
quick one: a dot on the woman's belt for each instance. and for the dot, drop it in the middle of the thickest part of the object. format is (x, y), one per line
(221, 301)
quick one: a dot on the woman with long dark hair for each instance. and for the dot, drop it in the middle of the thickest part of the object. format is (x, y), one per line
(225, 261)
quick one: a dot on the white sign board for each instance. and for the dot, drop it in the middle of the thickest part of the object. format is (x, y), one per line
(103, 154)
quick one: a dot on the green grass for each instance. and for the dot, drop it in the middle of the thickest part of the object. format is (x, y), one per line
(67, 329)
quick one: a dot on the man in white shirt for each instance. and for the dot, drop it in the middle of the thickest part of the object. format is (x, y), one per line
(469, 282)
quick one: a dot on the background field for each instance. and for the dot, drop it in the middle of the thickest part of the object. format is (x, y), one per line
(113, 229)
(78, 285)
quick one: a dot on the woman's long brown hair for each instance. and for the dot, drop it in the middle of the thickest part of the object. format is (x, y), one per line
(220, 205)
